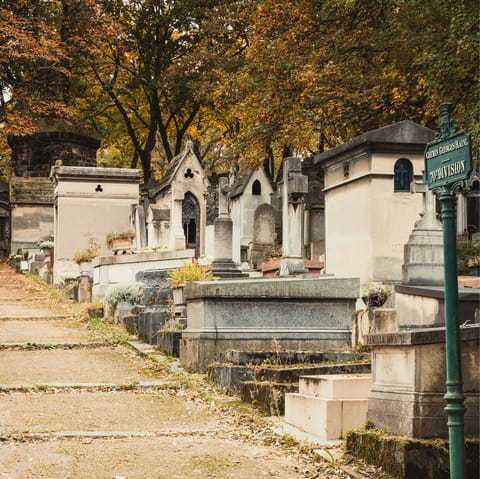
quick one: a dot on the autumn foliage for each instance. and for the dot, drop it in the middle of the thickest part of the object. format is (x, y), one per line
(247, 80)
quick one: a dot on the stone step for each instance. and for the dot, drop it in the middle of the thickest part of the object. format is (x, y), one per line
(327, 406)
(229, 376)
(43, 332)
(99, 412)
(323, 419)
(27, 317)
(107, 365)
(337, 386)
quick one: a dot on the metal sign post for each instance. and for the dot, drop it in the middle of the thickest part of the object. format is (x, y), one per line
(448, 163)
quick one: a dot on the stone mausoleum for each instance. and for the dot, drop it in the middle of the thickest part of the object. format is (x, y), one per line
(369, 210)
(31, 191)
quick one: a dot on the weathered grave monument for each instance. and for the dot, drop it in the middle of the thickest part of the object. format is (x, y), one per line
(294, 187)
(250, 192)
(253, 314)
(181, 194)
(4, 221)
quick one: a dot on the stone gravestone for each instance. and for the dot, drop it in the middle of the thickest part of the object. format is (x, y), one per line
(155, 312)
(158, 225)
(264, 235)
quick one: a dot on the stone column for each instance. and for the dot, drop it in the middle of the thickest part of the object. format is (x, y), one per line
(140, 227)
(294, 190)
(223, 265)
(177, 238)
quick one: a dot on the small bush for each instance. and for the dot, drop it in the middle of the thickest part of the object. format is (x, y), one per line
(190, 272)
(87, 254)
(132, 292)
(467, 251)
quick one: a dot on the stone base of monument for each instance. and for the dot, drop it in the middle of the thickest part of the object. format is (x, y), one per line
(227, 269)
(326, 407)
(156, 313)
(423, 257)
(408, 370)
(261, 314)
(372, 320)
(290, 266)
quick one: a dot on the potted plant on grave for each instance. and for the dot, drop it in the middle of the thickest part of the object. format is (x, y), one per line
(375, 295)
(121, 241)
(474, 266)
(83, 257)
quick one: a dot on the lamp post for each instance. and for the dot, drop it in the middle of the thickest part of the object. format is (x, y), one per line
(454, 396)
(448, 163)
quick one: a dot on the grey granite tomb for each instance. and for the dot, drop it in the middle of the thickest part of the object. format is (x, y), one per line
(261, 314)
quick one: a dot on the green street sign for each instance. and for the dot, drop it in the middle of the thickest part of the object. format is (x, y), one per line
(448, 160)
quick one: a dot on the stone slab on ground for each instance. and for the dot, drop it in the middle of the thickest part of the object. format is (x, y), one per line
(42, 331)
(135, 458)
(77, 366)
(121, 412)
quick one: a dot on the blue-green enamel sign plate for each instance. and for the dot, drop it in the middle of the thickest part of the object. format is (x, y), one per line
(448, 161)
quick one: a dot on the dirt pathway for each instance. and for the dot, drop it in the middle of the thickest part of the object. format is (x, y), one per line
(75, 406)
(71, 407)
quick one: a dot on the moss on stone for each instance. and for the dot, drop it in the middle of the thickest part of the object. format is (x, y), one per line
(409, 458)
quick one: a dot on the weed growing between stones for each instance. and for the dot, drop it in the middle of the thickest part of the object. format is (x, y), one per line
(107, 331)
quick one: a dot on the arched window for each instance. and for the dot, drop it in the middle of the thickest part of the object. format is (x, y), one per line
(402, 175)
(256, 188)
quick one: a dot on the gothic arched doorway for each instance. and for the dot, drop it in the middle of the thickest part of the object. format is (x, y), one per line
(191, 222)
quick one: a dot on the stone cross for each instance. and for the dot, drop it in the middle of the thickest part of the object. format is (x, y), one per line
(429, 216)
